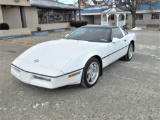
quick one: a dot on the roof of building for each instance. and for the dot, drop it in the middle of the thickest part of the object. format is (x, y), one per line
(114, 10)
(94, 10)
(51, 4)
(147, 7)
(98, 11)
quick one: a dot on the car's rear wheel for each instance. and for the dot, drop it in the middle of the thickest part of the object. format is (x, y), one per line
(130, 51)
(91, 73)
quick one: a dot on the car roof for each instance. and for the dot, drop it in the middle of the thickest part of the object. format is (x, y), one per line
(103, 26)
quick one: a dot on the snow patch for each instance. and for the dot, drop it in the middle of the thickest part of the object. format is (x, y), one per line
(135, 63)
(44, 104)
(36, 105)
(123, 77)
(57, 104)
(158, 58)
(142, 53)
(21, 93)
(147, 47)
(148, 54)
(13, 108)
(136, 28)
(142, 67)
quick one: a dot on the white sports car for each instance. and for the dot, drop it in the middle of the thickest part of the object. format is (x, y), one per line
(79, 58)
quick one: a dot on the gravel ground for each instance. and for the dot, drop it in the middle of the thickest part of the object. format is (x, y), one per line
(126, 91)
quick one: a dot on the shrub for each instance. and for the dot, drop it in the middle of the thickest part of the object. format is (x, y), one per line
(4, 26)
(78, 23)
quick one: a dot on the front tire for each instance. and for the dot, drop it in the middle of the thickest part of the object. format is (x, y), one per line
(129, 54)
(91, 73)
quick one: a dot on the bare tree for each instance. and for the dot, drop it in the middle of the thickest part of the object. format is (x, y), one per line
(79, 6)
(133, 5)
(130, 5)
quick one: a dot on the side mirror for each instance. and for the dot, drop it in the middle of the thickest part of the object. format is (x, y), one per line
(66, 35)
(114, 40)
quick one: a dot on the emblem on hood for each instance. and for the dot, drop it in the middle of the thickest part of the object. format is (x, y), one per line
(37, 60)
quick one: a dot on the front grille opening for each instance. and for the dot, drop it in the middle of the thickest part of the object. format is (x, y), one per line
(42, 78)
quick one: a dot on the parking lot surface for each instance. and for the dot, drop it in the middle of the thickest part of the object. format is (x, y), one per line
(126, 91)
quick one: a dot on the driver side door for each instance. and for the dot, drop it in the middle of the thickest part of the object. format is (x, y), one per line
(117, 49)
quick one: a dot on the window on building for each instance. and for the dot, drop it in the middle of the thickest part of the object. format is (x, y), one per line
(54, 16)
(155, 16)
(139, 17)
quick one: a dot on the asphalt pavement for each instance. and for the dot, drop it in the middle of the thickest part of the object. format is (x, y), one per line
(126, 91)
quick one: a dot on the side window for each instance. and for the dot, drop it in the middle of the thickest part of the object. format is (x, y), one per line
(116, 32)
(125, 32)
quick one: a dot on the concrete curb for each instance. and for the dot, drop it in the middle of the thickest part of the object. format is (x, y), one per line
(38, 33)
(11, 36)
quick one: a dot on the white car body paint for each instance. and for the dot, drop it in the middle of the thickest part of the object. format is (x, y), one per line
(48, 65)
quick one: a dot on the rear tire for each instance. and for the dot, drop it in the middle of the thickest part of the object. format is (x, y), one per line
(91, 73)
(129, 54)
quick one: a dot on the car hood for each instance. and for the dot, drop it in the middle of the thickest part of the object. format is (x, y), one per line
(55, 54)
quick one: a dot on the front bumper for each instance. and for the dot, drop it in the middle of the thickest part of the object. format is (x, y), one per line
(43, 80)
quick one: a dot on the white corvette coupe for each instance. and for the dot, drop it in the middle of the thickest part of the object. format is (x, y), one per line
(79, 58)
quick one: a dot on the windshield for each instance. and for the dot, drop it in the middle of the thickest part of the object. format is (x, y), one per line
(91, 34)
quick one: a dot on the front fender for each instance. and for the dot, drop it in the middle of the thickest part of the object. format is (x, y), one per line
(79, 62)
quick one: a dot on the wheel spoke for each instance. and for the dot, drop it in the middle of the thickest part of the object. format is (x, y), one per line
(89, 71)
(93, 77)
(92, 73)
(92, 66)
(88, 77)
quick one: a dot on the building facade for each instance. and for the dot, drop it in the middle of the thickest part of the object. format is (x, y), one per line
(28, 15)
(144, 17)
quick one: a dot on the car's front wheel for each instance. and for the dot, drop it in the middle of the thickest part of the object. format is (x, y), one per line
(91, 73)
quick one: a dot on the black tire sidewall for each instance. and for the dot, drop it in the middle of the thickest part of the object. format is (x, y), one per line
(127, 56)
(85, 72)
(131, 44)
